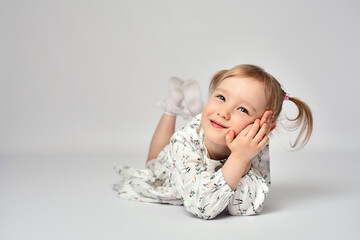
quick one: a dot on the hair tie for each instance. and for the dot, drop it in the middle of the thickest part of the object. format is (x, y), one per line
(286, 95)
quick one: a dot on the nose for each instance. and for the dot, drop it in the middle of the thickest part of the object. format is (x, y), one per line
(224, 113)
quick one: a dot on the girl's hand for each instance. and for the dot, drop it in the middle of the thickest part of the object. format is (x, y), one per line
(251, 139)
(267, 118)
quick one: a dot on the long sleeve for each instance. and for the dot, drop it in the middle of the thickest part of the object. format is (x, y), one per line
(253, 188)
(203, 193)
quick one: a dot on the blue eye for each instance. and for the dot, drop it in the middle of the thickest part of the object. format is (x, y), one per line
(221, 97)
(244, 110)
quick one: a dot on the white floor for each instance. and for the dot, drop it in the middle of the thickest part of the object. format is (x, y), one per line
(313, 196)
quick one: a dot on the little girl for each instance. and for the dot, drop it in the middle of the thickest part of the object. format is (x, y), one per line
(221, 157)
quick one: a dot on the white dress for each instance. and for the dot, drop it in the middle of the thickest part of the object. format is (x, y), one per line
(183, 174)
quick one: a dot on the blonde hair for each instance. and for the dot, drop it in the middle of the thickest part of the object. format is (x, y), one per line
(275, 97)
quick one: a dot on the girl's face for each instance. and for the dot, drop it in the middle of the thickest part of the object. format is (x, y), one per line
(234, 104)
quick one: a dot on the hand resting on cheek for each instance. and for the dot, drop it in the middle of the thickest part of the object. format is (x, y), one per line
(251, 139)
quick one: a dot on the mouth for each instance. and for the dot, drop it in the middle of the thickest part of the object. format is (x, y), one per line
(216, 124)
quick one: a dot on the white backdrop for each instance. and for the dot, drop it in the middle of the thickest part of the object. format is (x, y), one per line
(85, 76)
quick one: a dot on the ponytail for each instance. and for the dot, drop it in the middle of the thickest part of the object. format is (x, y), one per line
(304, 120)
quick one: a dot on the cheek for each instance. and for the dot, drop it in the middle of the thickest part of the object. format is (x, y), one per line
(208, 108)
(205, 113)
(205, 110)
(239, 125)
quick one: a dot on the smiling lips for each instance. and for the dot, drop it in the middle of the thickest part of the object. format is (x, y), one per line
(216, 124)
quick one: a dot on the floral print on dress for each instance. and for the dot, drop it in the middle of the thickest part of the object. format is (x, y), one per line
(183, 174)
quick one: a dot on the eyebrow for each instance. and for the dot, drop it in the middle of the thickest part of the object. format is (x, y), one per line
(246, 102)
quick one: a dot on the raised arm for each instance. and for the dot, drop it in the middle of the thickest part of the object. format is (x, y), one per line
(248, 147)
(253, 188)
(245, 146)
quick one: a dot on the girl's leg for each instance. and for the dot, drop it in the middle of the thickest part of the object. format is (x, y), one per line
(172, 106)
(166, 126)
(165, 129)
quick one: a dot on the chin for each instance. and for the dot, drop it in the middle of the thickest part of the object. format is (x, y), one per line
(219, 140)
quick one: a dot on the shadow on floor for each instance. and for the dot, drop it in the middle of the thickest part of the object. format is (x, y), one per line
(287, 195)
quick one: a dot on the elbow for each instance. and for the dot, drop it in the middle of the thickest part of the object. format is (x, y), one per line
(248, 211)
(199, 212)
(205, 216)
(202, 210)
(248, 204)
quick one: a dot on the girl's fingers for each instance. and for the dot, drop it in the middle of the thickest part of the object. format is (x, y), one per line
(229, 137)
(270, 123)
(245, 131)
(262, 133)
(268, 128)
(254, 129)
(263, 141)
(265, 118)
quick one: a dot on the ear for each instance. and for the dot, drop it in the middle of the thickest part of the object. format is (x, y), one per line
(273, 126)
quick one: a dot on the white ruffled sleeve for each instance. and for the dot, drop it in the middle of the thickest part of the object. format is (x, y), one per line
(204, 194)
(253, 188)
